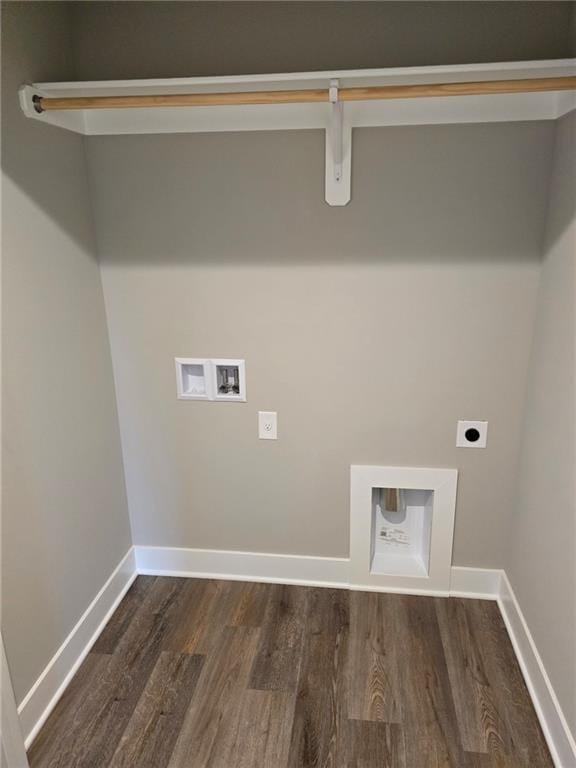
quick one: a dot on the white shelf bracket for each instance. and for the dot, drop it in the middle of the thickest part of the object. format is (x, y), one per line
(338, 151)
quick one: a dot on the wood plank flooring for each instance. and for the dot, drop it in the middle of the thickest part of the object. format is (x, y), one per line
(214, 674)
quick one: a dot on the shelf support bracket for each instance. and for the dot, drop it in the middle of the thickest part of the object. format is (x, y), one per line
(338, 151)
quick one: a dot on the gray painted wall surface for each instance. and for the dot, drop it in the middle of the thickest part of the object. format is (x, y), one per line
(65, 523)
(540, 559)
(419, 297)
(371, 328)
(171, 39)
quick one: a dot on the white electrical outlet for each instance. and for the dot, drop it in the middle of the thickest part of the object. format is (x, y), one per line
(472, 434)
(267, 425)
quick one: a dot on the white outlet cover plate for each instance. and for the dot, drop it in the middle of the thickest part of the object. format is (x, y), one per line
(462, 440)
(267, 425)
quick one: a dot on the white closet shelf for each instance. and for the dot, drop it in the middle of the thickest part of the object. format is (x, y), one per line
(334, 115)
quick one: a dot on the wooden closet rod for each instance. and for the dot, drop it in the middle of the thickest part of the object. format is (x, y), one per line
(307, 96)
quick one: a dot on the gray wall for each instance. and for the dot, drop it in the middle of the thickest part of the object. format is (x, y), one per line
(418, 299)
(170, 39)
(65, 523)
(371, 328)
(540, 559)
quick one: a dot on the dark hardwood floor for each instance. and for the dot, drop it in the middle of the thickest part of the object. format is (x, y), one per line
(196, 674)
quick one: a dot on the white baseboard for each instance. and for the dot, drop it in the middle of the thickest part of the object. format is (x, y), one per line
(243, 566)
(44, 694)
(308, 570)
(478, 583)
(560, 741)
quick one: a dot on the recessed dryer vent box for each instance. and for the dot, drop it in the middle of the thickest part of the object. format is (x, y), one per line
(210, 379)
(401, 528)
(402, 525)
